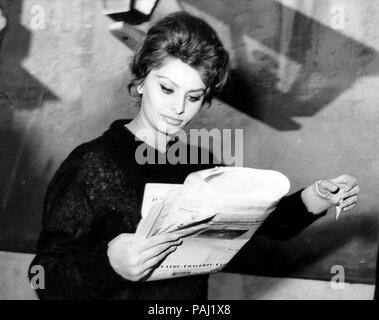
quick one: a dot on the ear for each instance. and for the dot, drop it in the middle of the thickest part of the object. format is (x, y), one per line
(140, 88)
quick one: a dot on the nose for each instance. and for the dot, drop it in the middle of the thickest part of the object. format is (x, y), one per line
(179, 105)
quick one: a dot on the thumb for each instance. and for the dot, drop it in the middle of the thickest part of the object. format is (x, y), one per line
(123, 237)
(327, 186)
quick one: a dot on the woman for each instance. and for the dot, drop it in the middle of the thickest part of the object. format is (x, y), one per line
(92, 207)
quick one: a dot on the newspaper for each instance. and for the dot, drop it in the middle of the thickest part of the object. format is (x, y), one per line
(214, 224)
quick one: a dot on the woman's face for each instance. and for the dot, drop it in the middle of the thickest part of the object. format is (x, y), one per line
(171, 96)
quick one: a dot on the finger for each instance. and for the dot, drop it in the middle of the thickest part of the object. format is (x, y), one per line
(168, 228)
(191, 230)
(146, 274)
(172, 228)
(350, 201)
(157, 250)
(349, 182)
(352, 192)
(348, 208)
(157, 240)
(350, 185)
(157, 259)
(328, 186)
(123, 236)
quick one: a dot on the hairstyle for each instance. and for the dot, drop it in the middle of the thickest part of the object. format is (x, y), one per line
(188, 38)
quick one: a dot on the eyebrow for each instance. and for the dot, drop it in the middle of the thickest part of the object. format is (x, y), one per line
(176, 85)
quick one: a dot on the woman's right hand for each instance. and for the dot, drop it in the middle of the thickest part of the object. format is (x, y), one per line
(134, 258)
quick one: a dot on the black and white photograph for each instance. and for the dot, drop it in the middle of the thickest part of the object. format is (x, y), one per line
(201, 150)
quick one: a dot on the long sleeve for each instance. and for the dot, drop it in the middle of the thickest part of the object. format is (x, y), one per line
(288, 219)
(70, 250)
(95, 196)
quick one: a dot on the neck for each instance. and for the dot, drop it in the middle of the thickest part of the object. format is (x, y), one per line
(144, 131)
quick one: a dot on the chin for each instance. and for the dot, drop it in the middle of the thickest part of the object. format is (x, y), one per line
(169, 129)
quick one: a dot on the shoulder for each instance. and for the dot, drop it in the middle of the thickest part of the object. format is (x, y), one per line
(89, 157)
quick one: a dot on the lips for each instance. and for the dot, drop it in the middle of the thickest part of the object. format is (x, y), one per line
(172, 121)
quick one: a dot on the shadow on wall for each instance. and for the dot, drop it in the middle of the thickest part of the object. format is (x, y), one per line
(20, 187)
(294, 69)
(318, 64)
(315, 258)
(288, 65)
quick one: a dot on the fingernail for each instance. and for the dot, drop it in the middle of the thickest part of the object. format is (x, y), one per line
(175, 237)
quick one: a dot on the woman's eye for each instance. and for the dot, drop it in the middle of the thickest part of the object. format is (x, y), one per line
(194, 99)
(166, 90)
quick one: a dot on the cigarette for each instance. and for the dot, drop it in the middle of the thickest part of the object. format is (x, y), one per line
(338, 208)
(338, 211)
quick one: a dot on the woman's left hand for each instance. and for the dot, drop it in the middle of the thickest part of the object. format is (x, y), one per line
(323, 194)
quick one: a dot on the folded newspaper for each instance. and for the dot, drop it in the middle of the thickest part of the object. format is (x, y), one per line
(216, 211)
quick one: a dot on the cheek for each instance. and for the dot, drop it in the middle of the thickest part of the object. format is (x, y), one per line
(192, 110)
(152, 100)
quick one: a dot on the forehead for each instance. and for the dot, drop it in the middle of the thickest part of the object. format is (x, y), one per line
(180, 73)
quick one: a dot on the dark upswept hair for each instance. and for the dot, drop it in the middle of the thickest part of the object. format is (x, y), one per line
(188, 38)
